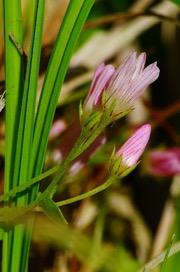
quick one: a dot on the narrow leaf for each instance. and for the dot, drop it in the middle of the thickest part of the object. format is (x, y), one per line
(52, 210)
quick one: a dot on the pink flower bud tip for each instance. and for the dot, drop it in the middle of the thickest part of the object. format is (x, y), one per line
(122, 85)
(165, 162)
(133, 148)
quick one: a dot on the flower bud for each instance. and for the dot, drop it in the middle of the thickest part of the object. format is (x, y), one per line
(126, 158)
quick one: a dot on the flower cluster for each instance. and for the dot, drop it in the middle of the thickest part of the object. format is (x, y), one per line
(115, 90)
(112, 95)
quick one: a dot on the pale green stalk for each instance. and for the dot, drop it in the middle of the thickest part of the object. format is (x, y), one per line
(90, 193)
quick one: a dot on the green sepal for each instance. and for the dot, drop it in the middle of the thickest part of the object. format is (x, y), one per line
(128, 170)
(115, 164)
(52, 210)
(110, 107)
(117, 168)
(90, 121)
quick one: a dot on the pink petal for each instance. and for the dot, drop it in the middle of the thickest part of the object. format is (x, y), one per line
(148, 76)
(123, 73)
(102, 77)
(140, 64)
(97, 73)
(130, 80)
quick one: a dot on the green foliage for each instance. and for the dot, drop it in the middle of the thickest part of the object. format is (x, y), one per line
(67, 38)
(25, 127)
(173, 263)
(121, 261)
(28, 122)
(27, 132)
(177, 2)
(27, 185)
(14, 80)
(110, 259)
(52, 210)
(164, 264)
(10, 216)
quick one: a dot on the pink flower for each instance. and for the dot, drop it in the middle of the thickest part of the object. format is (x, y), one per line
(133, 148)
(121, 86)
(165, 162)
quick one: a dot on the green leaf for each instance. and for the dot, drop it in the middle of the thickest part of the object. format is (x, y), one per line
(52, 210)
(10, 216)
(70, 30)
(110, 259)
(13, 80)
(24, 131)
(27, 117)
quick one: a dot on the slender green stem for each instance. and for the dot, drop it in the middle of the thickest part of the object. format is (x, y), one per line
(7, 213)
(85, 139)
(21, 188)
(79, 147)
(81, 144)
(90, 193)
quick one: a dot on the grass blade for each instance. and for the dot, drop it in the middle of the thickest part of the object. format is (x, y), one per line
(25, 129)
(13, 79)
(58, 65)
